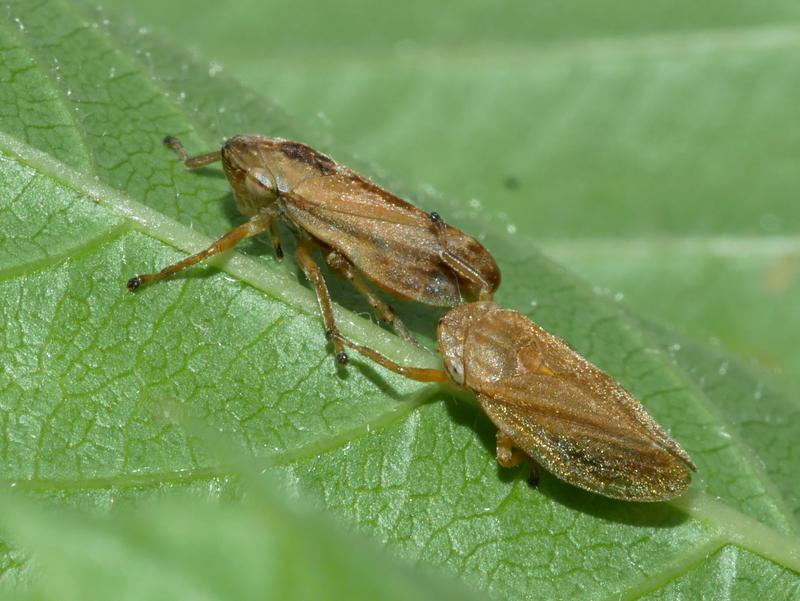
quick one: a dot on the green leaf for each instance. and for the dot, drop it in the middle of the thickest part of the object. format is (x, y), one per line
(260, 549)
(642, 144)
(97, 384)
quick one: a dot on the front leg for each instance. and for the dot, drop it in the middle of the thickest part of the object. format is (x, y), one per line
(255, 226)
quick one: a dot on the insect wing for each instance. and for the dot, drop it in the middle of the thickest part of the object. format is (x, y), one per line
(568, 415)
(389, 240)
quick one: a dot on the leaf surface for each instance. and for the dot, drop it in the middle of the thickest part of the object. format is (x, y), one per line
(643, 146)
(97, 384)
(261, 548)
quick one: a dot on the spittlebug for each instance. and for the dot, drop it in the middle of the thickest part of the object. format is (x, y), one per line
(359, 227)
(553, 405)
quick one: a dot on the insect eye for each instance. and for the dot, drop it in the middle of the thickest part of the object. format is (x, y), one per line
(263, 179)
(456, 369)
(258, 183)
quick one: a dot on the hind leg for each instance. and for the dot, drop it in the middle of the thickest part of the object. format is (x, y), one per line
(347, 271)
(507, 456)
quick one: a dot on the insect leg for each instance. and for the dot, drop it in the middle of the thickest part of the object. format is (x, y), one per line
(275, 237)
(421, 374)
(506, 455)
(255, 226)
(457, 264)
(344, 268)
(195, 162)
(533, 477)
(313, 273)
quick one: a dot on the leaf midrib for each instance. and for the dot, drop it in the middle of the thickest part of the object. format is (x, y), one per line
(275, 284)
(288, 290)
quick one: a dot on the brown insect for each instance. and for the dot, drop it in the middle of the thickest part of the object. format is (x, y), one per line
(553, 405)
(359, 227)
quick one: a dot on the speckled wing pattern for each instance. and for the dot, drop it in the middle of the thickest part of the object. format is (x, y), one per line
(568, 415)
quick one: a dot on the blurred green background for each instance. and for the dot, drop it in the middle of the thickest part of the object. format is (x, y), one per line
(652, 148)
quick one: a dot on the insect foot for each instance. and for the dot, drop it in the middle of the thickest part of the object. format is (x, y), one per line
(533, 477)
(134, 283)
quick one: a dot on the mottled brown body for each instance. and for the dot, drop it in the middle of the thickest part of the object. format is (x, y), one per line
(567, 415)
(360, 227)
(393, 243)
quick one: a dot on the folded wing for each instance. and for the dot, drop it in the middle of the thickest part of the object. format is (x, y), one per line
(568, 415)
(392, 242)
